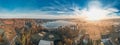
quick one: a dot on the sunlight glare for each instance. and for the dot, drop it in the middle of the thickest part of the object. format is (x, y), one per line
(94, 11)
(95, 14)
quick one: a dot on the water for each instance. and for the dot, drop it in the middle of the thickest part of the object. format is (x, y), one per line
(55, 24)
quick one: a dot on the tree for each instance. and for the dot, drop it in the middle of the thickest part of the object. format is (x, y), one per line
(68, 35)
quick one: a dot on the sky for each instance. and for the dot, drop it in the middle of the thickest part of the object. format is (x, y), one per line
(53, 8)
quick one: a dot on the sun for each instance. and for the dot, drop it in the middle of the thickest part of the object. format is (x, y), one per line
(95, 14)
(95, 11)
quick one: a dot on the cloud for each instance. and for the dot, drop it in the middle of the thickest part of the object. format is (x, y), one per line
(37, 14)
(66, 11)
(95, 10)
